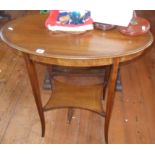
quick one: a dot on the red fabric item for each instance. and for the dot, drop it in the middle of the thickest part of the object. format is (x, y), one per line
(53, 24)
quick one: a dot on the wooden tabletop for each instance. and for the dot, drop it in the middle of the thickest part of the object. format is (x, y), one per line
(28, 34)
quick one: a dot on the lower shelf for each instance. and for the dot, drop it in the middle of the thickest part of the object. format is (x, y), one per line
(77, 92)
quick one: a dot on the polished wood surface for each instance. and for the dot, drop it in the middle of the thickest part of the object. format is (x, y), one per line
(94, 48)
(71, 49)
(35, 88)
(87, 93)
(110, 97)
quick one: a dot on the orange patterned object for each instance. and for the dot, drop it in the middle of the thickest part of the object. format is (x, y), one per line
(137, 26)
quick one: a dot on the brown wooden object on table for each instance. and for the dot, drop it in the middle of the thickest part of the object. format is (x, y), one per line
(90, 49)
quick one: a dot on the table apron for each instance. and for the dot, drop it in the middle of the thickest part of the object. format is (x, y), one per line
(81, 62)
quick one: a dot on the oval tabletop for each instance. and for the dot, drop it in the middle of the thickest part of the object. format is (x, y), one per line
(29, 34)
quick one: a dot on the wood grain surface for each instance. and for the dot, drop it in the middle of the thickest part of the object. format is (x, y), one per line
(132, 118)
(71, 49)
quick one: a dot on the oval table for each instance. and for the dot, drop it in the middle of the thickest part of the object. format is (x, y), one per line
(90, 49)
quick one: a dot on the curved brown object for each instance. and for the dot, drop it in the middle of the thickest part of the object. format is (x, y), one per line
(30, 34)
(35, 88)
(137, 26)
(94, 48)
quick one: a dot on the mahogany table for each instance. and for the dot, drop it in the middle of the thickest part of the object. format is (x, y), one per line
(91, 49)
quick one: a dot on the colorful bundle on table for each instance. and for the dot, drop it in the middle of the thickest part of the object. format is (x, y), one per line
(70, 21)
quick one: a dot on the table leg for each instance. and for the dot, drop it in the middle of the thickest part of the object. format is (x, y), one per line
(70, 115)
(35, 88)
(110, 97)
(118, 83)
(106, 78)
(48, 77)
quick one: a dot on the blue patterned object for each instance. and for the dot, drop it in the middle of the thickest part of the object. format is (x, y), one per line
(73, 17)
